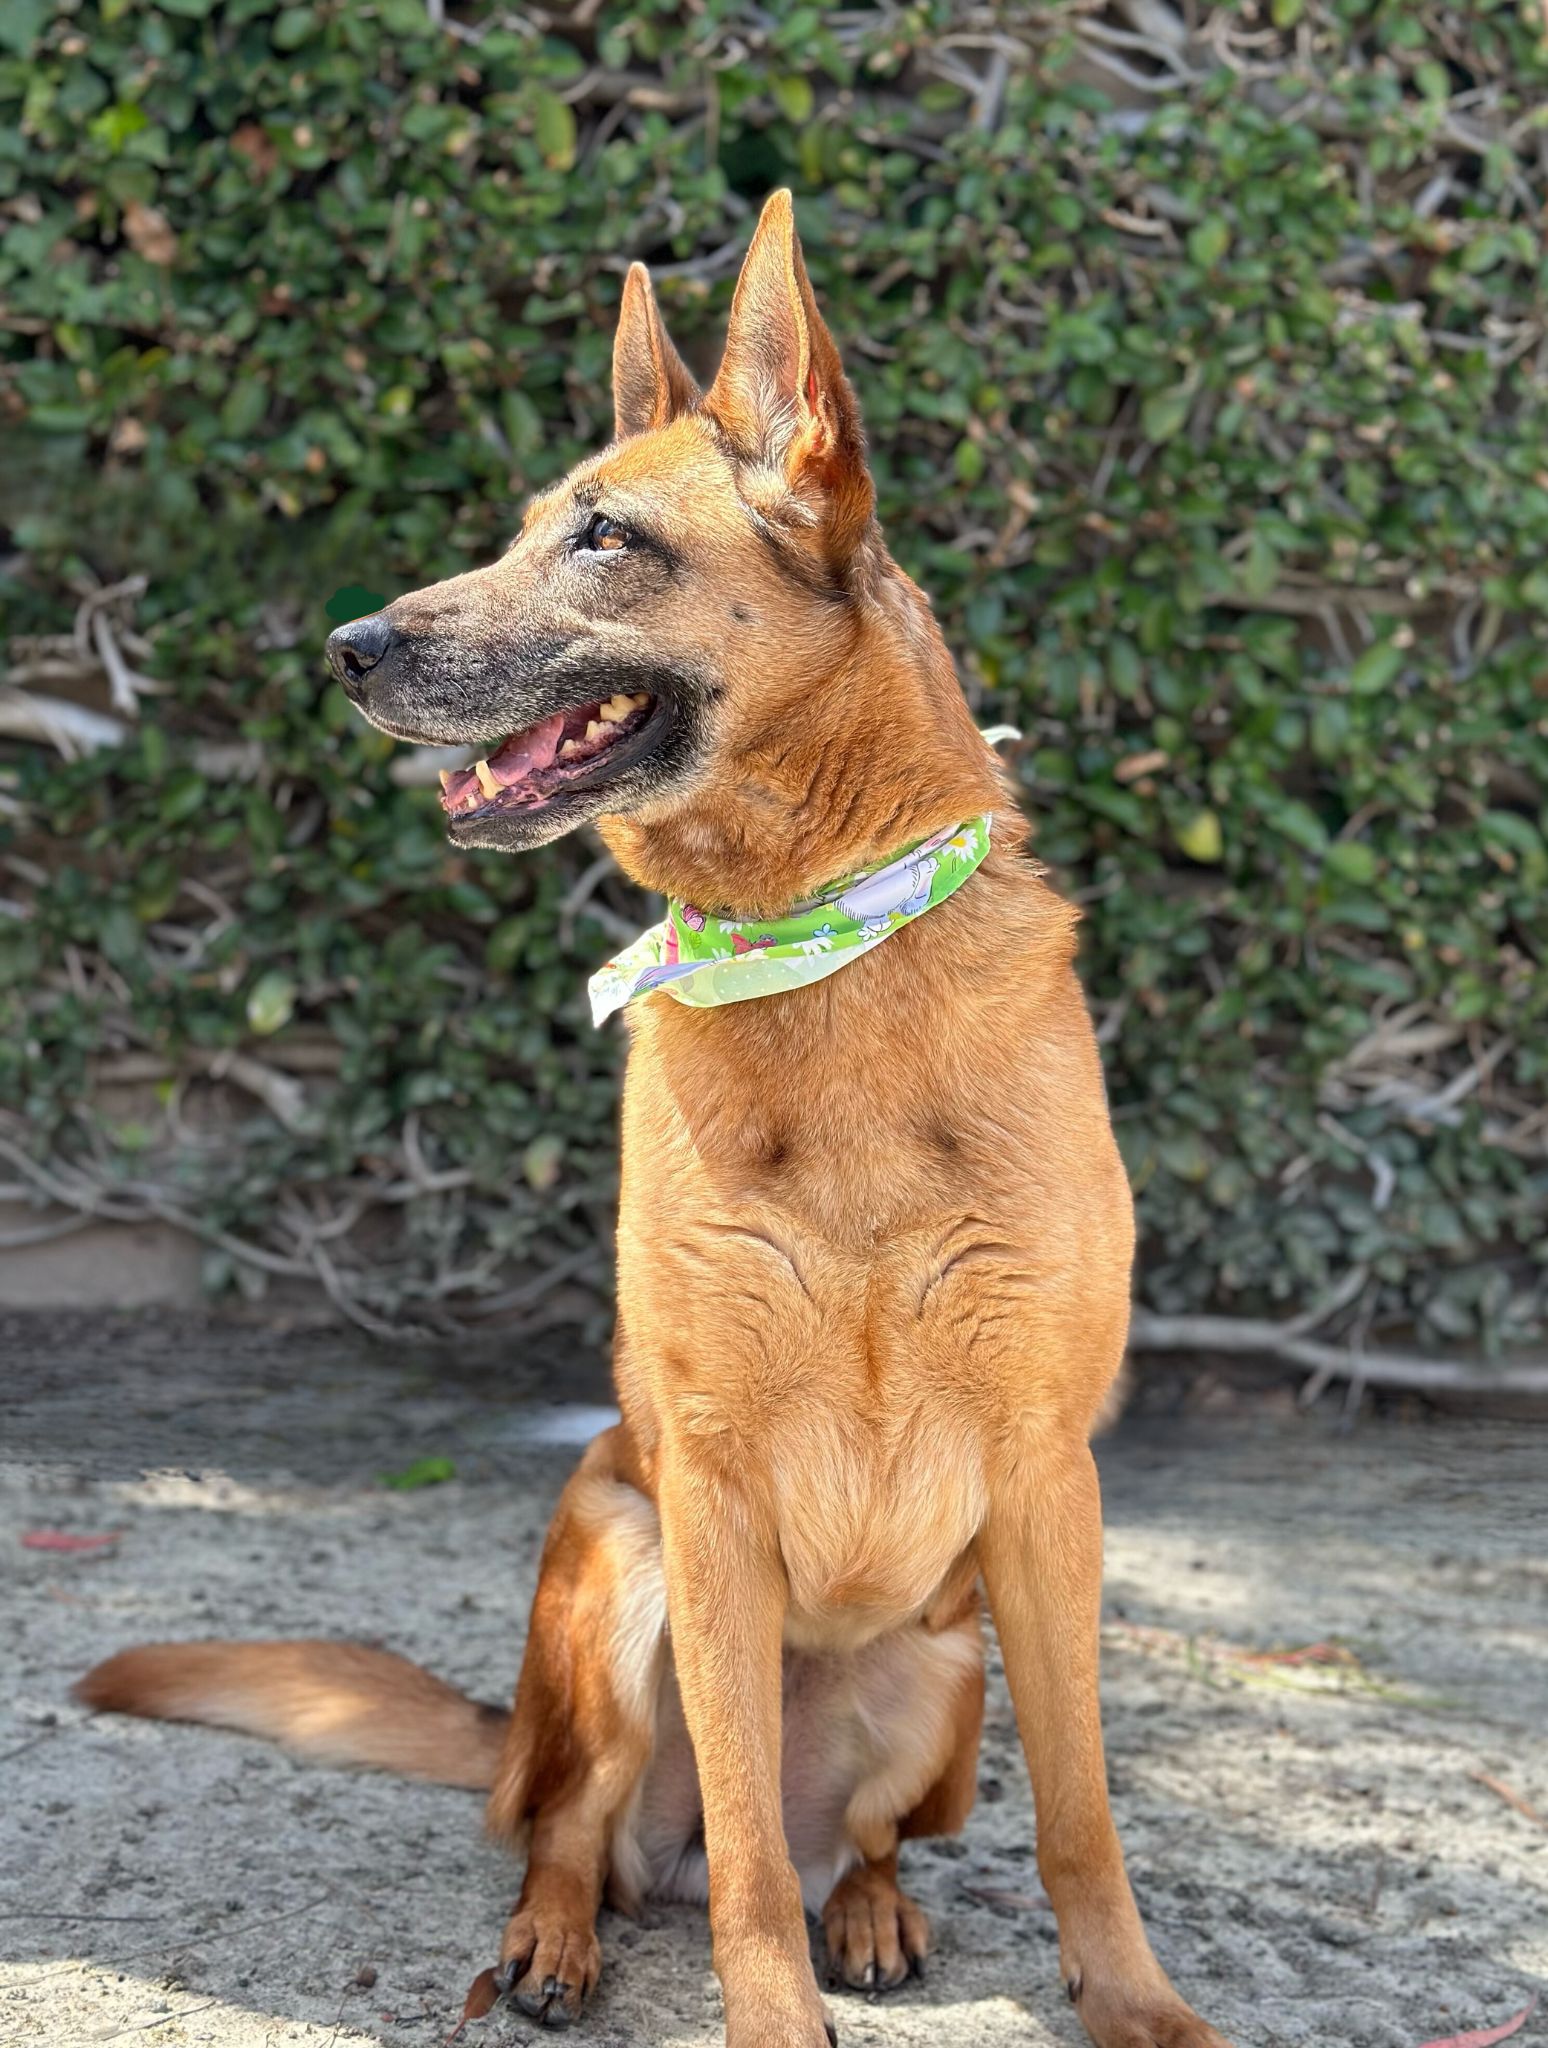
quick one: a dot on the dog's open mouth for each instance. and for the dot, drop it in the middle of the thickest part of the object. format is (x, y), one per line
(532, 767)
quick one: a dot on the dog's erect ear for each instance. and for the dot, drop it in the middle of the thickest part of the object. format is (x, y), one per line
(781, 393)
(651, 386)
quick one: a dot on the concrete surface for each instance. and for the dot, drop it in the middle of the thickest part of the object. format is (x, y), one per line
(1317, 1856)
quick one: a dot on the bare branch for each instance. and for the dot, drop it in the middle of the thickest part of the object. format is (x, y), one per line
(69, 728)
(1243, 1336)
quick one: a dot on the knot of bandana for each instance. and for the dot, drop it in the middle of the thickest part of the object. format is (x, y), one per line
(703, 960)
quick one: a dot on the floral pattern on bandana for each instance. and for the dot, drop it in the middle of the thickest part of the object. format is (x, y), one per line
(703, 960)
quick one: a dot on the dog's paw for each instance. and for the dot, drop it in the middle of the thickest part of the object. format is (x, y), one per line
(549, 1965)
(877, 1937)
(771, 1995)
(1115, 2019)
(774, 2030)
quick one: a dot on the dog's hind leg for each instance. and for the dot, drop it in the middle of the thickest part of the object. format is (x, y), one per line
(582, 1730)
(923, 1698)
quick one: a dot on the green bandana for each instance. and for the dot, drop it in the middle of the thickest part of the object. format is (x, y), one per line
(704, 960)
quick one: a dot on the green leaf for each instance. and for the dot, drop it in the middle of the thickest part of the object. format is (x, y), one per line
(1209, 241)
(1260, 566)
(1165, 413)
(271, 1003)
(156, 889)
(968, 461)
(423, 1472)
(245, 405)
(1514, 842)
(119, 935)
(1511, 829)
(554, 126)
(542, 1160)
(1351, 860)
(1186, 1155)
(1201, 837)
(293, 27)
(1376, 668)
(793, 94)
(183, 795)
(21, 23)
(1298, 822)
(116, 125)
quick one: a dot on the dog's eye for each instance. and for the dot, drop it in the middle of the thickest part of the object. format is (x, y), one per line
(604, 535)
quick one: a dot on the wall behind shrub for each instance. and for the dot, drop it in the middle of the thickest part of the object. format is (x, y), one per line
(1204, 373)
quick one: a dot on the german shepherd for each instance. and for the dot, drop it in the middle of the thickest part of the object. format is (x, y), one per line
(874, 1238)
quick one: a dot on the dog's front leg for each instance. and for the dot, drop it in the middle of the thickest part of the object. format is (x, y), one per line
(726, 1603)
(1042, 1562)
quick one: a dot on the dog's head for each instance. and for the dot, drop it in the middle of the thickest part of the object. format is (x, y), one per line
(669, 602)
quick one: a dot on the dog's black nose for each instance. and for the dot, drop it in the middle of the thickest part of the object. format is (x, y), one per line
(354, 650)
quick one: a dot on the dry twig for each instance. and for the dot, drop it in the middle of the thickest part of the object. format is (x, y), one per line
(1246, 1336)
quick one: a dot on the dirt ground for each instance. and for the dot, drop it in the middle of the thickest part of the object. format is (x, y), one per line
(1315, 1840)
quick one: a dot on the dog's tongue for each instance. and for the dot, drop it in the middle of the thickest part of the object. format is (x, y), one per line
(526, 752)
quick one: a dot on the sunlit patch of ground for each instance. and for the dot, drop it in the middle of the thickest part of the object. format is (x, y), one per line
(1325, 1663)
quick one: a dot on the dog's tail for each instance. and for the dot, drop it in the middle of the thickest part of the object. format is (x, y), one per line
(336, 1702)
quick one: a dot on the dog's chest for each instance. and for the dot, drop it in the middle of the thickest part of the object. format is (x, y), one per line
(859, 1382)
(875, 1519)
(826, 1272)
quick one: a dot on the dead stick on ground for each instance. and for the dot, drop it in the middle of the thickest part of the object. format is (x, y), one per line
(1243, 1336)
(1503, 1791)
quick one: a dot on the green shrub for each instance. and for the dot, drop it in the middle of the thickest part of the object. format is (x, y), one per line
(1204, 380)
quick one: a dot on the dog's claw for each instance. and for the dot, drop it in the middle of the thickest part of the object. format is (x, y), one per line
(547, 2003)
(547, 2006)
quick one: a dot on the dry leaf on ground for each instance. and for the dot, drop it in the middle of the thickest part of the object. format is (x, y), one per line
(1485, 2037)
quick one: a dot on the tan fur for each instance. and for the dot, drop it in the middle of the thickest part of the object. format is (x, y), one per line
(334, 1702)
(874, 1250)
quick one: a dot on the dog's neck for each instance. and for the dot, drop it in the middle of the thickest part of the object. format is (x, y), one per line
(873, 761)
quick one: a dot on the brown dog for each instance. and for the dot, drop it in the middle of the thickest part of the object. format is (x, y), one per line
(874, 1239)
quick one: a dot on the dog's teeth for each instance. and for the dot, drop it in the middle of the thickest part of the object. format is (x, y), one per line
(615, 708)
(470, 801)
(594, 728)
(570, 747)
(636, 702)
(445, 774)
(486, 781)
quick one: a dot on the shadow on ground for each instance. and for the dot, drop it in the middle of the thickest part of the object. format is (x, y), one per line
(1313, 1842)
